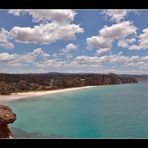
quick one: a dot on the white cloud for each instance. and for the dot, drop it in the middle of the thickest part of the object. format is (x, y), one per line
(102, 51)
(36, 53)
(67, 52)
(131, 40)
(4, 39)
(134, 47)
(69, 48)
(122, 43)
(111, 59)
(108, 34)
(118, 31)
(128, 64)
(85, 60)
(59, 16)
(54, 25)
(118, 15)
(134, 58)
(15, 12)
(30, 57)
(51, 65)
(58, 25)
(144, 39)
(6, 57)
(145, 58)
(99, 42)
(45, 33)
(102, 64)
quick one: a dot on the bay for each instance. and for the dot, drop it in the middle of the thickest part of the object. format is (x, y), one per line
(114, 111)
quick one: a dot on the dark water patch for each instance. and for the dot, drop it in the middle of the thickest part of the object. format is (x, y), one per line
(19, 133)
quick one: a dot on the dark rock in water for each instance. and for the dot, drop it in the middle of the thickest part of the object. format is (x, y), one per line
(6, 117)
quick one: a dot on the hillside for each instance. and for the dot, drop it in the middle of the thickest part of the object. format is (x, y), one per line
(30, 82)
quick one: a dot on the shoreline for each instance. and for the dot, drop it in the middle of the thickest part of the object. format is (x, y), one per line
(25, 95)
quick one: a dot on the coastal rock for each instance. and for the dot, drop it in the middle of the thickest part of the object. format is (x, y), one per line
(6, 117)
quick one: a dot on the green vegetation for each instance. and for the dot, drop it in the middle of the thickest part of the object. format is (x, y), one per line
(31, 82)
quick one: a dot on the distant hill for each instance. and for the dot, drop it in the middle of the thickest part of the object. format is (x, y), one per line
(46, 81)
(135, 76)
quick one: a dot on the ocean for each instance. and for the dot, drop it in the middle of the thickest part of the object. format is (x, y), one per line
(113, 111)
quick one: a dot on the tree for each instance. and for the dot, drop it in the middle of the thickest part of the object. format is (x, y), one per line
(22, 84)
(4, 88)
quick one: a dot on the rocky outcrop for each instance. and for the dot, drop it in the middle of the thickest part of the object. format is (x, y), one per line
(6, 117)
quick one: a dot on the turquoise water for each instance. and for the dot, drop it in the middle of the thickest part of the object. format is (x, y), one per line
(116, 111)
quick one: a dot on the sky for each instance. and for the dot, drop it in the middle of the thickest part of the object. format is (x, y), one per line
(74, 41)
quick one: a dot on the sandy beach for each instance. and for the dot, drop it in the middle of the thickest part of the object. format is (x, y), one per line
(23, 95)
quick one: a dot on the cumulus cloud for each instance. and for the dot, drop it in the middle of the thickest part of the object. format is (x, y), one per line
(108, 34)
(85, 60)
(118, 31)
(45, 33)
(54, 25)
(113, 61)
(131, 40)
(6, 57)
(59, 16)
(145, 58)
(102, 51)
(128, 64)
(101, 64)
(69, 48)
(118, 15)
(32, 56)
(4, 39)
(122, 43)
(68, 51)
(134, 47)
(39, 51)
(50, 63)
(78, 64)
(144, 39)
(23, 58)
(99, 42)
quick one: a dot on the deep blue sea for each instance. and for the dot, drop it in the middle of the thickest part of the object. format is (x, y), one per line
(115, 111)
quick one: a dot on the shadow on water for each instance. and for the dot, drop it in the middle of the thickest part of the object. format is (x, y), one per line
(18, 133)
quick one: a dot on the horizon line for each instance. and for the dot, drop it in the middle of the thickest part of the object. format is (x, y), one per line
(71, 73)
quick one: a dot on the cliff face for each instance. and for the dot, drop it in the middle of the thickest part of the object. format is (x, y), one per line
(6, 117)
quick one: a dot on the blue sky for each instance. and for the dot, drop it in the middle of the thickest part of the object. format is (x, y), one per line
(98, 41)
